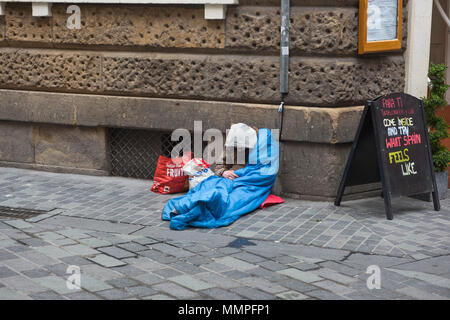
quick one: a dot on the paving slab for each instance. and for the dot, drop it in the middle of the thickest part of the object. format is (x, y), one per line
(92, 284)
(236, 263)
(114, 294)
(55, 283)
(82, 295)
(6, 272)
(106, 261)
(435, 265)
(292, 295)
(263, 284)
(91, 224)
(47, 295)
(191, 282)
(117, 252)
(159, 297)
(295, 250)
(140, 291)
(22, 284)
(307, 277)
(175, 290)
(123, 282)
(9, 294)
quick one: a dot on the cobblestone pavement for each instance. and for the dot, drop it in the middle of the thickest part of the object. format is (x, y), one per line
(111, 228)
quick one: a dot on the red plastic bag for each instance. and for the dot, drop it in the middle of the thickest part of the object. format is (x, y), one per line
(169, 176)
(270, 201)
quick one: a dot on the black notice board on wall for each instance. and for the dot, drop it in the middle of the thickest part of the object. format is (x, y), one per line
(392, 146)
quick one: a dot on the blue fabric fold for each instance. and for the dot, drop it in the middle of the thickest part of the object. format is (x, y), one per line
(217, 201)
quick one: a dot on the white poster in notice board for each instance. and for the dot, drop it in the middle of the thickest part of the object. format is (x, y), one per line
(382, 20)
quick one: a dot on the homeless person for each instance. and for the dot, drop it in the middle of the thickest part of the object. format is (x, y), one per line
(239, 135)
(218, 201)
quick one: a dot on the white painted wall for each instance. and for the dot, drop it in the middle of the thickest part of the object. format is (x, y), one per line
(417, 55)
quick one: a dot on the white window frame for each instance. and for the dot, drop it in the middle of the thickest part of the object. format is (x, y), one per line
(214, 9)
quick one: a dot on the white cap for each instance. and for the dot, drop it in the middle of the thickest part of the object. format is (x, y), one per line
(241, 135)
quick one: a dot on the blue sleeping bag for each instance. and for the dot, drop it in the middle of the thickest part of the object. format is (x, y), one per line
(217, 201)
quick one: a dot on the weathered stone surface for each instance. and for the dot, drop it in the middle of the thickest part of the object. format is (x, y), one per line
(22, 26)
(16, 142)
(319, 3)
(77, 147)
(344, 81)
(131, 112)
(142, 26)
(170, 114)
(58, 148)
(332, 125)
(312, 170)
(50, 70)
(320, 82)
(32, 106)
(321, 125)
(329, 3)
(314, 81)
(112, 25)
(312, 30)
(317, 27)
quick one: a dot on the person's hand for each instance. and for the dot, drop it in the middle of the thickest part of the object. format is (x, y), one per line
(229, 174)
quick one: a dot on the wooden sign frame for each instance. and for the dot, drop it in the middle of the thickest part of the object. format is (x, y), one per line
(366, 150)
(378, 46)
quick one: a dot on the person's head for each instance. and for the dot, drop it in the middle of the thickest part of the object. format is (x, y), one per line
(241, 135)
(240, 139)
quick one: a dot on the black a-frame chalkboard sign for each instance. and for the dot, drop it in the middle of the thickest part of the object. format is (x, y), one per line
(392, 146)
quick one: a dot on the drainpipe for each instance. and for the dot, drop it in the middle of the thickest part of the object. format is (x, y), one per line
(284, 57)
(284, 78)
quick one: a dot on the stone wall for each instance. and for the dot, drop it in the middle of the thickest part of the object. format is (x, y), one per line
(162, 67)
(162, 59)
(53, 147)
(313, 81)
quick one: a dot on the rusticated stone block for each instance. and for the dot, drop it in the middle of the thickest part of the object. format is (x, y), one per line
(16, 142)
(67, 146)
(34, 106)
(142, 26)
(230, 78)
(22, 26)
(322, 125)
(377, 77)
(312, 170)
(339, 82)
(50, 70)
(130, 25)
(312, 30)
(311, 124)
(313, 82)
(319, 82)
(317, 27)
(169, 114)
